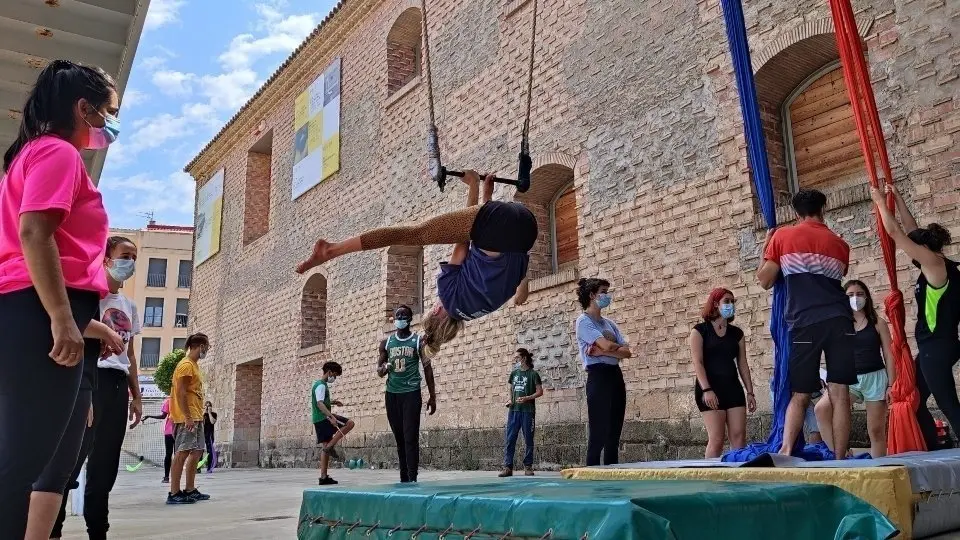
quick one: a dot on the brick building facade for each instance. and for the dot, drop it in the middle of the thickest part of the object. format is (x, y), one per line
(638, 145)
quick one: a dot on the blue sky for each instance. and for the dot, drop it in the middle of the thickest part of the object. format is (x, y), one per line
(197, 63)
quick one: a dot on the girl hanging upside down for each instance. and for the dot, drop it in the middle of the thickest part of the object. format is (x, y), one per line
(487, 268)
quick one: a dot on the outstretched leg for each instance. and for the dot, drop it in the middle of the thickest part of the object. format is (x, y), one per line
(450, 228)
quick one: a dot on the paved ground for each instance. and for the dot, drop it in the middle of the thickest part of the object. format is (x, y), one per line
(248, 504)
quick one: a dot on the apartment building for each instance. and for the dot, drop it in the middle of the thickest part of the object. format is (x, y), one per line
(161, 288)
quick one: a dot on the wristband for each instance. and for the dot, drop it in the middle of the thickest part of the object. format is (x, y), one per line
(705, 390)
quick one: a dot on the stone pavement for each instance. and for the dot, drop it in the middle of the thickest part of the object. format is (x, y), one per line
(247, 504)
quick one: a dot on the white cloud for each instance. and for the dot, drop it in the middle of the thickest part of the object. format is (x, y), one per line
(132, 97)
(280, 34)
(174, 83)
(162, 12)
(230, 90)
(170, 198)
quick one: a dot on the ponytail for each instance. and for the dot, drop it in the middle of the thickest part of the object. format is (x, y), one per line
(49, 107)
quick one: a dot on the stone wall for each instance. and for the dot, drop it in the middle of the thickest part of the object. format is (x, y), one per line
(638, 100)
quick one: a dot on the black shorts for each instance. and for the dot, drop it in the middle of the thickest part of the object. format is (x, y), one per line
(504, 227)
(729, 396)
(833, 339)
(325, 430)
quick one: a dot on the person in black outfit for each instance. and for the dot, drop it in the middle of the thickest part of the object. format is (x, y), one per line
(401, 357)
(876, 370)
(720, 361)
(938, 312)
(602, 347)
(209, 420)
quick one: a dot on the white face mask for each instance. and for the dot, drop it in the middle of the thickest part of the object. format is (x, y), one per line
(331, 379)
(857, 303)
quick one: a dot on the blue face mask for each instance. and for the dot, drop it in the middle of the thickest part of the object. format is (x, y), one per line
(603, 300)
(101, 138)
(401, 323)
(727, 311)
(122, 269)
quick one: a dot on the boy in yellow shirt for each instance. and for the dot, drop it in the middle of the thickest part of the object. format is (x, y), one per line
(186, 411)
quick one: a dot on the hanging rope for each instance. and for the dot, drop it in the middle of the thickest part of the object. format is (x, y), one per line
(438, 173)
(434, 166)
(533, 47)
(903, 433)
(757, 155)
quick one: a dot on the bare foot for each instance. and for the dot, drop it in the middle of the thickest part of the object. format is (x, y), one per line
(321, 254)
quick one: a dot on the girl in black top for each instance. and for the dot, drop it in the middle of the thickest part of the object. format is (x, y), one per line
(209, 420)
(720, 361)
(876, 370)
(938, 311)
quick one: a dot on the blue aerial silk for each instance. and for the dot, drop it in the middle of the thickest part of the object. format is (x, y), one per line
(757, 155)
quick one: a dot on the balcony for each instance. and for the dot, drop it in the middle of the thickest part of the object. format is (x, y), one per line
(149, 361)
(181, 320)
(185, 281)
(157, 280)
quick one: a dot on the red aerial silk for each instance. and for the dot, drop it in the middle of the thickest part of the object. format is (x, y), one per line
(903, 433)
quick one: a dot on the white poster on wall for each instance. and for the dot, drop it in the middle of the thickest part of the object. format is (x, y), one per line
(209, 214)
(316, 143)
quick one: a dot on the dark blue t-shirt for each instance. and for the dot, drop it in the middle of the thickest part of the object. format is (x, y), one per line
(481, 284)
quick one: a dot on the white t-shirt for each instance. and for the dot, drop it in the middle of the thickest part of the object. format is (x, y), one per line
(120, 314)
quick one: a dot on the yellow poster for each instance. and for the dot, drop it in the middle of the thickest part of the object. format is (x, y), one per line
(317, 131)
(209, 215)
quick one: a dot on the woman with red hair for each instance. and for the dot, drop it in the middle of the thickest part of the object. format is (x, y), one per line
(720, 362)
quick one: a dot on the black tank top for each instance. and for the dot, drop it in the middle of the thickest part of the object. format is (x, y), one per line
(867, 355)
(720, 354)
(939, 305)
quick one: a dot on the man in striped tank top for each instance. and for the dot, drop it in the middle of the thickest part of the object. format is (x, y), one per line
(400, 361)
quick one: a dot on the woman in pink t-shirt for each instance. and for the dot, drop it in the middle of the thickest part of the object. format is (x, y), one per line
(167, 437)
(53, 229)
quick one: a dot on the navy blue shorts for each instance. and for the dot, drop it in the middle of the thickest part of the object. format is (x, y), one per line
(325, 430)
(504, 227)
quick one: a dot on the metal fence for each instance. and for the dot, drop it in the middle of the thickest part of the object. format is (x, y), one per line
(145, 440)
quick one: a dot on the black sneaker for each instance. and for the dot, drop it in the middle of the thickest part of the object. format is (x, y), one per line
(328, 481)
(179, 498)
(196, 495)
(333, 453)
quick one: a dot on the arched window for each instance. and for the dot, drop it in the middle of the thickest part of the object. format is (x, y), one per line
(313, 312)
(553, 201)
(820, 134)
(404, 279)
(403, 50)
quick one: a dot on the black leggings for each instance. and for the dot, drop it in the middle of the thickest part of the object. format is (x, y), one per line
(606, 406)
(403, 414)
(935, 363)
(210, 443)
(168, 454)
(37, 398)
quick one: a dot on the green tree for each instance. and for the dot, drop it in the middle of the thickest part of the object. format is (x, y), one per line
(163, 376)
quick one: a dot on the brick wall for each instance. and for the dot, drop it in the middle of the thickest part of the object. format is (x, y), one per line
(404, 279)
(256, 197)
(244, 450)
(313, 313)
(641, 98)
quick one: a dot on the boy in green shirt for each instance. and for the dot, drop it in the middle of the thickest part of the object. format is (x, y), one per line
(525, 388)
(330, 427)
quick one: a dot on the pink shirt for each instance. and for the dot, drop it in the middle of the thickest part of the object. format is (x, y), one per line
(168, 422)
(49, 174)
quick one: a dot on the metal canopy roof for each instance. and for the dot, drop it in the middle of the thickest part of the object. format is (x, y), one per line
(103, 33)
